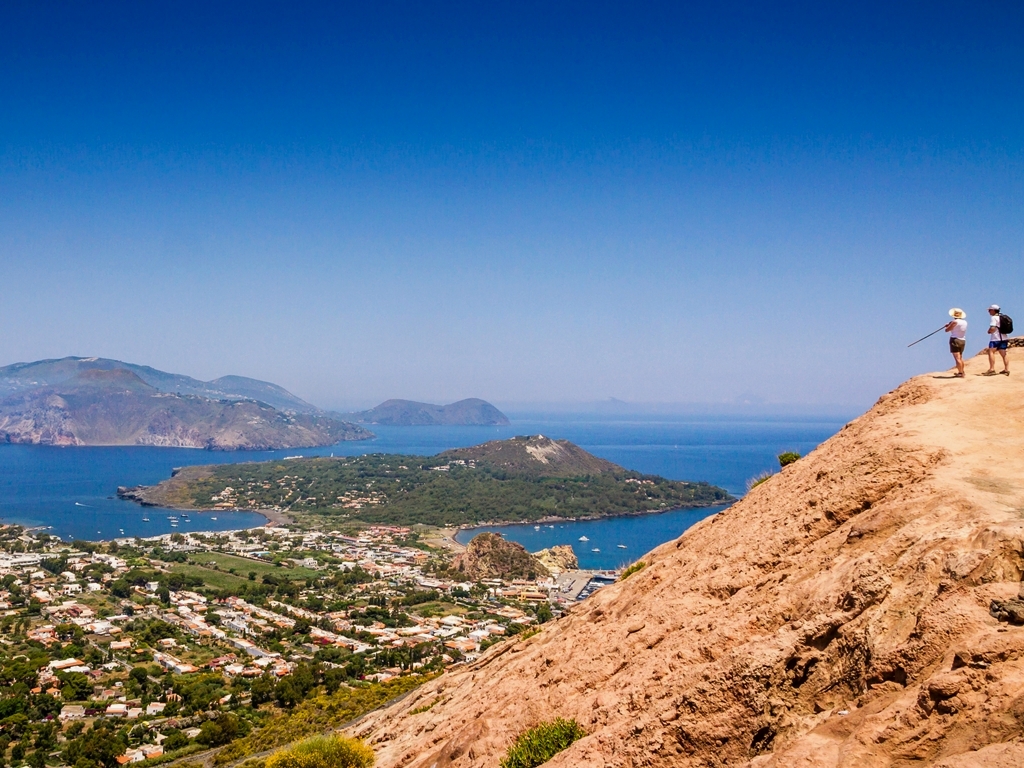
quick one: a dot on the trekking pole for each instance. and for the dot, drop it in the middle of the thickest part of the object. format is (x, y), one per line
(925, 337)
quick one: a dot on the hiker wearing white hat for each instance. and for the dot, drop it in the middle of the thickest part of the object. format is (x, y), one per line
(999, 326)
(957, 330)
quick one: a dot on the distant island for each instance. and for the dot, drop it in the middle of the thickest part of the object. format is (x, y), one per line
(521, 479)
(95, 401)
(408, 413)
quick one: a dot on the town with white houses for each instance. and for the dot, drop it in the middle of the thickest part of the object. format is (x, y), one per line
(184, 643)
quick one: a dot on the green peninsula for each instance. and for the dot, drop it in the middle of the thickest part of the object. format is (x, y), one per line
(521, 479)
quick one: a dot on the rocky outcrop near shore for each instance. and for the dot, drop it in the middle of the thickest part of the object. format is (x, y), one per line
(558, 559)
(489, 556)
(860, 608)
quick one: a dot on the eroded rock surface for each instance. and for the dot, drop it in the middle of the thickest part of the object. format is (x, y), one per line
(558, 559)
(855, 610)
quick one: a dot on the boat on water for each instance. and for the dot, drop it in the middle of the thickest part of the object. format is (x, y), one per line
(213, 518)
(174, 525)
(145, 519)
(595, 549)
(584, 538)
(621, 546)
(536, 527)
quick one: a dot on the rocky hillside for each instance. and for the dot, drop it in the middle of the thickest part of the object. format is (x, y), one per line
(24, 377)
(408, 413)
(489, 556)
(99, 406)
(857, 609)
(534, 455)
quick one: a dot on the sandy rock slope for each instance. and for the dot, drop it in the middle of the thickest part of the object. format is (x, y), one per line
(839, 615)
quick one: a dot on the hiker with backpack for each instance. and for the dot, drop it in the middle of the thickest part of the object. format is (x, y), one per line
(1000, 326)
(957, 330)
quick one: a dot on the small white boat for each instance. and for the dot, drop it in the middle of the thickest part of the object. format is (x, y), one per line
(584, 538)
(536, 527)
(213, 518)
(174, 525)
(145, 519)
(621, 546)
(595, 549)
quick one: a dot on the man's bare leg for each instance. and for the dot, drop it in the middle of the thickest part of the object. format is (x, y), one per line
(992, 360)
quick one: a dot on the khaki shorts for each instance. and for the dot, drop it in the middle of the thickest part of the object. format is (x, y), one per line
(957, 345)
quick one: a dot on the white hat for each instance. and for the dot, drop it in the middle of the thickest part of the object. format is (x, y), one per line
(958, 313)
(995, 307)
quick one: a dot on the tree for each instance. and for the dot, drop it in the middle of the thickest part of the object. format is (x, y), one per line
(175, 740)
(220, 730)
(141, 676)
(262, 690)
(77, 687)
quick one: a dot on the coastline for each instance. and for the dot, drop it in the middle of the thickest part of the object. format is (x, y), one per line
(586, 519)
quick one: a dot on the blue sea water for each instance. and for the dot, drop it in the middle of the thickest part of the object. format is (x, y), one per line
(73, 489)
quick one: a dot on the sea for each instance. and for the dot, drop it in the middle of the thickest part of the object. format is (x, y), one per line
(71, 492)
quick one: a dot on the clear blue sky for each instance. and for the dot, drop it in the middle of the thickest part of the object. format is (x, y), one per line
(526, 202)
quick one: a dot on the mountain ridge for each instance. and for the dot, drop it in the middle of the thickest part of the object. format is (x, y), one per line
(861, 607)
(113, 405)
(19, 377)
(534, 454)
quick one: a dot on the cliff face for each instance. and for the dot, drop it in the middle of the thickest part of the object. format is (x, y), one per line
(839, 615)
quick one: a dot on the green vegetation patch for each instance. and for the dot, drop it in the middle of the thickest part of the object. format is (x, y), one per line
(410, 490)
(243, 565)
(758, 479)
(319, 714)
(787, 458)
(539, 744)
(324, 752)
(210, 577)
(639, 565)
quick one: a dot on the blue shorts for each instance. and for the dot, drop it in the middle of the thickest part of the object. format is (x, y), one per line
(997, 344)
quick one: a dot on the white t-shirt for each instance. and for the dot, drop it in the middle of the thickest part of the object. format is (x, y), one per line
(959, 329)
(993, 330)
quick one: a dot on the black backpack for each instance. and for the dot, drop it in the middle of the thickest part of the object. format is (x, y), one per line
(1005, 324)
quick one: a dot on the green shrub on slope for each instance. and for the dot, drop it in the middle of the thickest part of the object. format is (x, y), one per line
(639, 565)
(539, 744)
(324, 752)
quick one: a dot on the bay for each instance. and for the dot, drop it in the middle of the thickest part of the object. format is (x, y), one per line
(73, 490)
